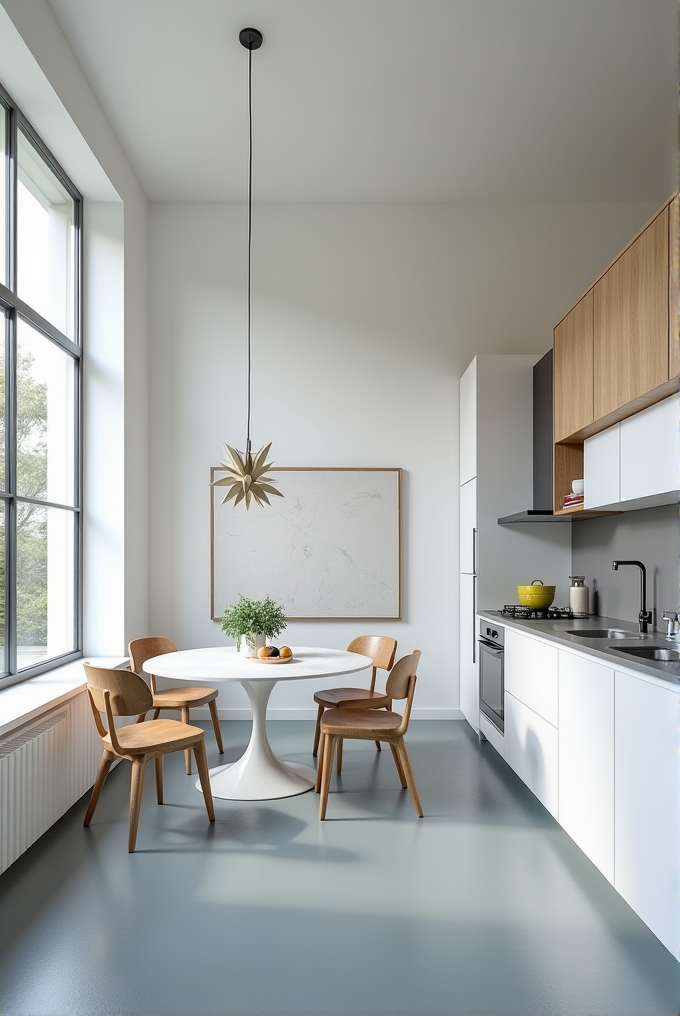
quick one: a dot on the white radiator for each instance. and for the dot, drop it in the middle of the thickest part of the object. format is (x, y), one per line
(45, 767)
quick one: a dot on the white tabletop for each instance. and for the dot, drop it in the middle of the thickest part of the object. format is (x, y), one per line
(224, 663)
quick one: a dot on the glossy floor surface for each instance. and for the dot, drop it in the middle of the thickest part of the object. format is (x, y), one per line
(483, 906)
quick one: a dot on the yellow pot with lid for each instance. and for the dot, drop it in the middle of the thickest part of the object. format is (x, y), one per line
(536, 595)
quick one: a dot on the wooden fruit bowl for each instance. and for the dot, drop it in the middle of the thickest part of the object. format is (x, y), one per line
(273, 659)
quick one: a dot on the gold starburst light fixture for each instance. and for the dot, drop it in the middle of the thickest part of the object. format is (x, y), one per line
(246, 473)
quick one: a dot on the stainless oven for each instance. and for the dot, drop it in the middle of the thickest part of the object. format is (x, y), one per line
(491, 684)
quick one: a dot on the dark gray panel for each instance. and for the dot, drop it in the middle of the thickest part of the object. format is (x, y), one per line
(543, 432)
(651, 536)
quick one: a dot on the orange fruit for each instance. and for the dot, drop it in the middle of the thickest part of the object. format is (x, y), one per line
(286, 652)
(263, 653)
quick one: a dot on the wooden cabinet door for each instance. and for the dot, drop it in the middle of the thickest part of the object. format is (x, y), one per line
(573, 369)
(674, 289)
(647, 805)
(630, 321)
(586, 758)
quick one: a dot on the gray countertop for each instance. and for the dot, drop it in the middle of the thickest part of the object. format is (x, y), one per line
(607, 650)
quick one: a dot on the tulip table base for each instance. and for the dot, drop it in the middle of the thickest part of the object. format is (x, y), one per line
(259, 775)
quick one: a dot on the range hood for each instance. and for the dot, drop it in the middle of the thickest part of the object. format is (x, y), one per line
(543, 449)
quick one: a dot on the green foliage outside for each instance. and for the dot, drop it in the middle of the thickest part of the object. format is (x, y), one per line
(31, 519)
(253, 617)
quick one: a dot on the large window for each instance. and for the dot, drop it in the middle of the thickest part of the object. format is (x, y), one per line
(40, 293)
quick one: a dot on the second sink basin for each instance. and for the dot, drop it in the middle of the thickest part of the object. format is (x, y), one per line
(603, 633)
(651, 653)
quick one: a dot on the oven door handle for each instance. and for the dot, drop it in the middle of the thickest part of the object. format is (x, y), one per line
(488, 647)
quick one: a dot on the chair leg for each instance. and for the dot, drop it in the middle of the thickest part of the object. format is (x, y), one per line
(410, 779)
(204, 777)
(187, 753)
(158, 764)
(141, 718)
(317, 730)
(328, 747)
(397, 762)
(103, 771)
(156, 714)
(340, 744)
(319, 765)
(216, 725)
(377, 744)
(136, 788)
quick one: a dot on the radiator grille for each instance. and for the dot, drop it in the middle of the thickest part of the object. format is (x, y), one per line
(44, 769)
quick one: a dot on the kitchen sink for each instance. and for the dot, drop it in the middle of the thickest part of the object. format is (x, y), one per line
(650, 653)
(603, 633)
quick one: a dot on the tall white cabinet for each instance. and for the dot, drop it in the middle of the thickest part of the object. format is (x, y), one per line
(496, 479)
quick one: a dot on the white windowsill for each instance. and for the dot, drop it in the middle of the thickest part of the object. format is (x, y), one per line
(23, 702)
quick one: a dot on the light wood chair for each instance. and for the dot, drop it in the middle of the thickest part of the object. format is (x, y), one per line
(381, 649)
(369, 725)
(184, 697)
(122, 693)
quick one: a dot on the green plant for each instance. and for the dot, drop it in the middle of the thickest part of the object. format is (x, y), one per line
(249, 618)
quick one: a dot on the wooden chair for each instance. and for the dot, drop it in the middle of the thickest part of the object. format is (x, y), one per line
(184, 697)
(369, 725)
(122, 693)
(381, 649)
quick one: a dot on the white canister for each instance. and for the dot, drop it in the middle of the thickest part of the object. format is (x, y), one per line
(579, 596)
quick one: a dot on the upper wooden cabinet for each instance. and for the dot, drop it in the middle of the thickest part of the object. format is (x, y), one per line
(674, 289)
(573, 369)
(631, 321)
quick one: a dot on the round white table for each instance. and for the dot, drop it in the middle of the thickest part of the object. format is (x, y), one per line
(259, 775)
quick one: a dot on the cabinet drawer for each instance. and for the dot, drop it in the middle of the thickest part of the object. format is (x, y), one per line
(531, 674)
(531, 750)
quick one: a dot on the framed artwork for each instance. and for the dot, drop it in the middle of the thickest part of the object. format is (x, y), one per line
(329, 548)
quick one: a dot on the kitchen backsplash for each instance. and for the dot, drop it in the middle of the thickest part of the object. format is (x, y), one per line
(650, 536)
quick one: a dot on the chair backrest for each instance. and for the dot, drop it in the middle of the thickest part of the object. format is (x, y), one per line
(399, 681)
(141, 650)
(381, 649)
(129, 694)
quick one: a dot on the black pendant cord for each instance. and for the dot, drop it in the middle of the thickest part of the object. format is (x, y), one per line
(250, 223)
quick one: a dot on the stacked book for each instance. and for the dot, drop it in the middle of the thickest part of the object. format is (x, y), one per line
(570, 500)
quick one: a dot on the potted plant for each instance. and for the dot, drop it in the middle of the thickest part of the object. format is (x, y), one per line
(252, 622)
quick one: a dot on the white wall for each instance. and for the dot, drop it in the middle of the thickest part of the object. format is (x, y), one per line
(364, 317)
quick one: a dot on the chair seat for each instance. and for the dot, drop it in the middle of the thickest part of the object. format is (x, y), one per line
(185, 695)
(138, 738)
(352, 698)
(361, 723)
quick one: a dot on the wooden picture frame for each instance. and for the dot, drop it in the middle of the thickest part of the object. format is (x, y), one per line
(330, 549)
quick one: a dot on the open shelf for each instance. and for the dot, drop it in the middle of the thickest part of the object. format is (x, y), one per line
(577, 511)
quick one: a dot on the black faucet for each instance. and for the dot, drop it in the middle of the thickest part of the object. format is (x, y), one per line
(645, 616)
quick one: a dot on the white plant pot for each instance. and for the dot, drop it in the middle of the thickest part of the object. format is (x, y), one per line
(244, 648)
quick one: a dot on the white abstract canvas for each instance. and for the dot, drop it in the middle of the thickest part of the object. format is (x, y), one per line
(330, 548)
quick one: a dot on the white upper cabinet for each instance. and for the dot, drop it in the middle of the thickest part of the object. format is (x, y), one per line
(650, 463)
(635, 463)
(468, 424)
(601, 468)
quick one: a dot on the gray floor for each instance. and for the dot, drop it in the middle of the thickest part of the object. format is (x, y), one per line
(483, 906)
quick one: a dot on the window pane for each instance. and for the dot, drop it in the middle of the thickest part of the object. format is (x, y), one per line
(45, 240)
(45, 418)
(45, 583)
(3, 571)
(3, 195)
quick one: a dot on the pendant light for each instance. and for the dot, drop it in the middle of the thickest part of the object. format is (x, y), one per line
(247, 477)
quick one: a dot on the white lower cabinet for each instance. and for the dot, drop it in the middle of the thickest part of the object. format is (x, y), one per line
(647, 805)
(531, 750)
(586, 757)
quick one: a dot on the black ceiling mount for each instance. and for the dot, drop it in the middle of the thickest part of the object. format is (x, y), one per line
(250, 38)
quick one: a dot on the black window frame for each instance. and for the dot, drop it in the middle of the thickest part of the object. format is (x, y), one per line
(12, 308)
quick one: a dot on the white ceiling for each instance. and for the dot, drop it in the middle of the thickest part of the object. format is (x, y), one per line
(365, 100)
